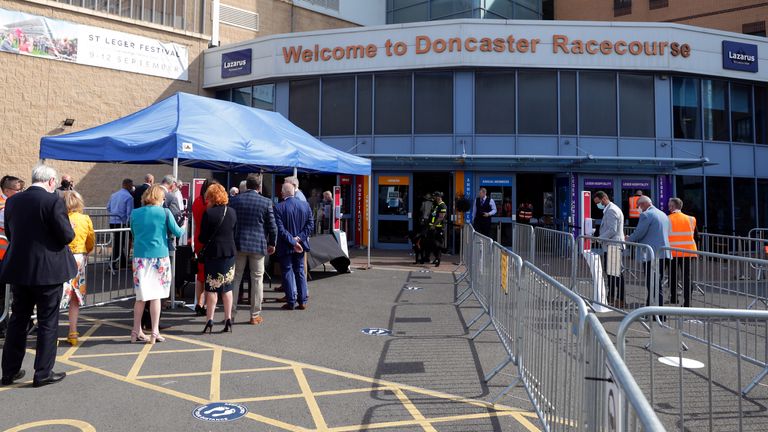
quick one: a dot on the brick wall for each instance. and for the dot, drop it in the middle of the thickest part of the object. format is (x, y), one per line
(727, 15)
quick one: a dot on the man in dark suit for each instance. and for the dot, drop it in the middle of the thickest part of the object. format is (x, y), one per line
(255, 237)
(149, 179)
(294, 225)
(37, 263)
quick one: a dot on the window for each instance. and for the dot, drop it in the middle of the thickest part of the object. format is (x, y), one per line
(364, 104)
(242, 96)
(495, 102)
(433, 103)
(538, 102)
(393, 104)
(264, 97)
(637, 111)
(690, 189)
(448, 8)
(622, 7)
(741, 113)
(303, 104)
(754, 28)
(597, 103)
(567, 103)
(657, 4)
(686, 108)
(169, 13)
(338, 107)
(762, 202)
(744, 205)
(405, 11)
(719, 205)
(761, 114)
(715, 110)
(225, 94)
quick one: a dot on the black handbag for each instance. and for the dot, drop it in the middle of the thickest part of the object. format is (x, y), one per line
(200, 256)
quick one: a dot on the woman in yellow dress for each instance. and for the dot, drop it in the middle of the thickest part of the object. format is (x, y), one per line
(81, 246)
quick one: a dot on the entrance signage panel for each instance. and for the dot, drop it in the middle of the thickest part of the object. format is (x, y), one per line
(658, 47)
(359, 209)
(468, 192)
(394, 180)
(635, 184)
(495, 181)
(665, 192)
(740, 56)
(598, 183)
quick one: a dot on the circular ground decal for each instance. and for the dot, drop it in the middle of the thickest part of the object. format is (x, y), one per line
(374, 331)
(686, 364)
(219, 412)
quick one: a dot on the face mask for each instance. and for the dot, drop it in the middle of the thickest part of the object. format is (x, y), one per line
(600, 206)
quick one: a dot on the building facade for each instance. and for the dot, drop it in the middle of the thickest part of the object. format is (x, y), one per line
(533, 111)
(739, 16)
(405, 11)
(93, 61)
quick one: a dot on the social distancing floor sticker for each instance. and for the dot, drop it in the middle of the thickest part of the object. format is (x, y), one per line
(204, 373)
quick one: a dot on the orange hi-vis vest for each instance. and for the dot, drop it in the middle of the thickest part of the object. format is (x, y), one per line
(634, 210)
(681, 234)
(3, 241)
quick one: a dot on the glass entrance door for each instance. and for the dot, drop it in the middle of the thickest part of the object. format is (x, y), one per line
(393, 210)
(631, 189)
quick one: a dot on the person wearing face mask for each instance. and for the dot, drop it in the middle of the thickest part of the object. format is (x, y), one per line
(612, 228)
(37, 264)
(653, 229)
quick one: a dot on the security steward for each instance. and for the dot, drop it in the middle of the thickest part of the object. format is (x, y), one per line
(525, 213)
(437, 226)
(634, 209)
(681, 236)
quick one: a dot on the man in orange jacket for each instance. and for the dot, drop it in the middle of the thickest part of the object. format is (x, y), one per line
(681, 236)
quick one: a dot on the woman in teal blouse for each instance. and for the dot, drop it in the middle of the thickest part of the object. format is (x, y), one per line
(150, 225)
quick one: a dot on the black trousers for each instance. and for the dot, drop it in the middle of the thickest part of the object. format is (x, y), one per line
(435, 242)
(483, 226)
(647, 264)
(119, 247)
(681, 269)
(615, 283)
(25, 298)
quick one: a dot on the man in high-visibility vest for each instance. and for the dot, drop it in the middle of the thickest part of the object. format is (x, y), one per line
(436, 227)
(9, 186)
(681, 236)
(634, 209)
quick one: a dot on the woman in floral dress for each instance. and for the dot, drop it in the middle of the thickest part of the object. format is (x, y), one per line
(83, 244)
(217, 235)
(150, 226)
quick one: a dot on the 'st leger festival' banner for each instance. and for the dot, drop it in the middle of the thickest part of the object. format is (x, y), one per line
(37, 36)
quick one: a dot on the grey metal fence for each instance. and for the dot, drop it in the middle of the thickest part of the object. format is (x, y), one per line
(553, 253)
(523, 241)
(715, 354)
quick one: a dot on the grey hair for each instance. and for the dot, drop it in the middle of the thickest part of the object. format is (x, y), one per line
(242, 187)
(645, 199)
(677, 202)
(288, 189)
(149, 178)
(168, 180)
(293, 180)
(43, 173)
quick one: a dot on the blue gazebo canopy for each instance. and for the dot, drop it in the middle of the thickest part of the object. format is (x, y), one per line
(206, 133)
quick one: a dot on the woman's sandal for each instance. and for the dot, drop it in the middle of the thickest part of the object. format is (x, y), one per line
(138, 337)
(156, 338)
(72, 338)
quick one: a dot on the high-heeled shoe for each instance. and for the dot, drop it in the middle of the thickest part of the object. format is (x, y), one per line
(72, 338)
(227, 326)
(200, 310)
(138, 337)
(208, 327)
(156, 338)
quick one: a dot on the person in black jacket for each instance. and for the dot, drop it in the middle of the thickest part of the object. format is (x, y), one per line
(149, 180)
(37, 264)
(217, 234)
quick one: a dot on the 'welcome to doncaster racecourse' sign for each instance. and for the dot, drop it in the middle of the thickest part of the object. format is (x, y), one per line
(656, 47)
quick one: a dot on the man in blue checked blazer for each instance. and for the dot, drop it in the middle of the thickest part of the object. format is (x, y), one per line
(255, 237)
(294, 225)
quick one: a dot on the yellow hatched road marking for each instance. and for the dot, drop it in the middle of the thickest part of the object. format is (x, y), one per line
(84, 338)
(223, 372)
(314, 408)
(81, 425)
(521, 418)
(215, 394)
(176, 351)
(420, 422)
(301, 395)
(415, 413)
(136, 368)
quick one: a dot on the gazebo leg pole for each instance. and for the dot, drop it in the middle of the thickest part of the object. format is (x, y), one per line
(173, 252)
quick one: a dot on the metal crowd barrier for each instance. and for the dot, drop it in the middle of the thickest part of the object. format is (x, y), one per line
(628, 230)
(108, 277)
(523, 241)
(698, 395)
(560, 350)
(553, 253)
(602, 267)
